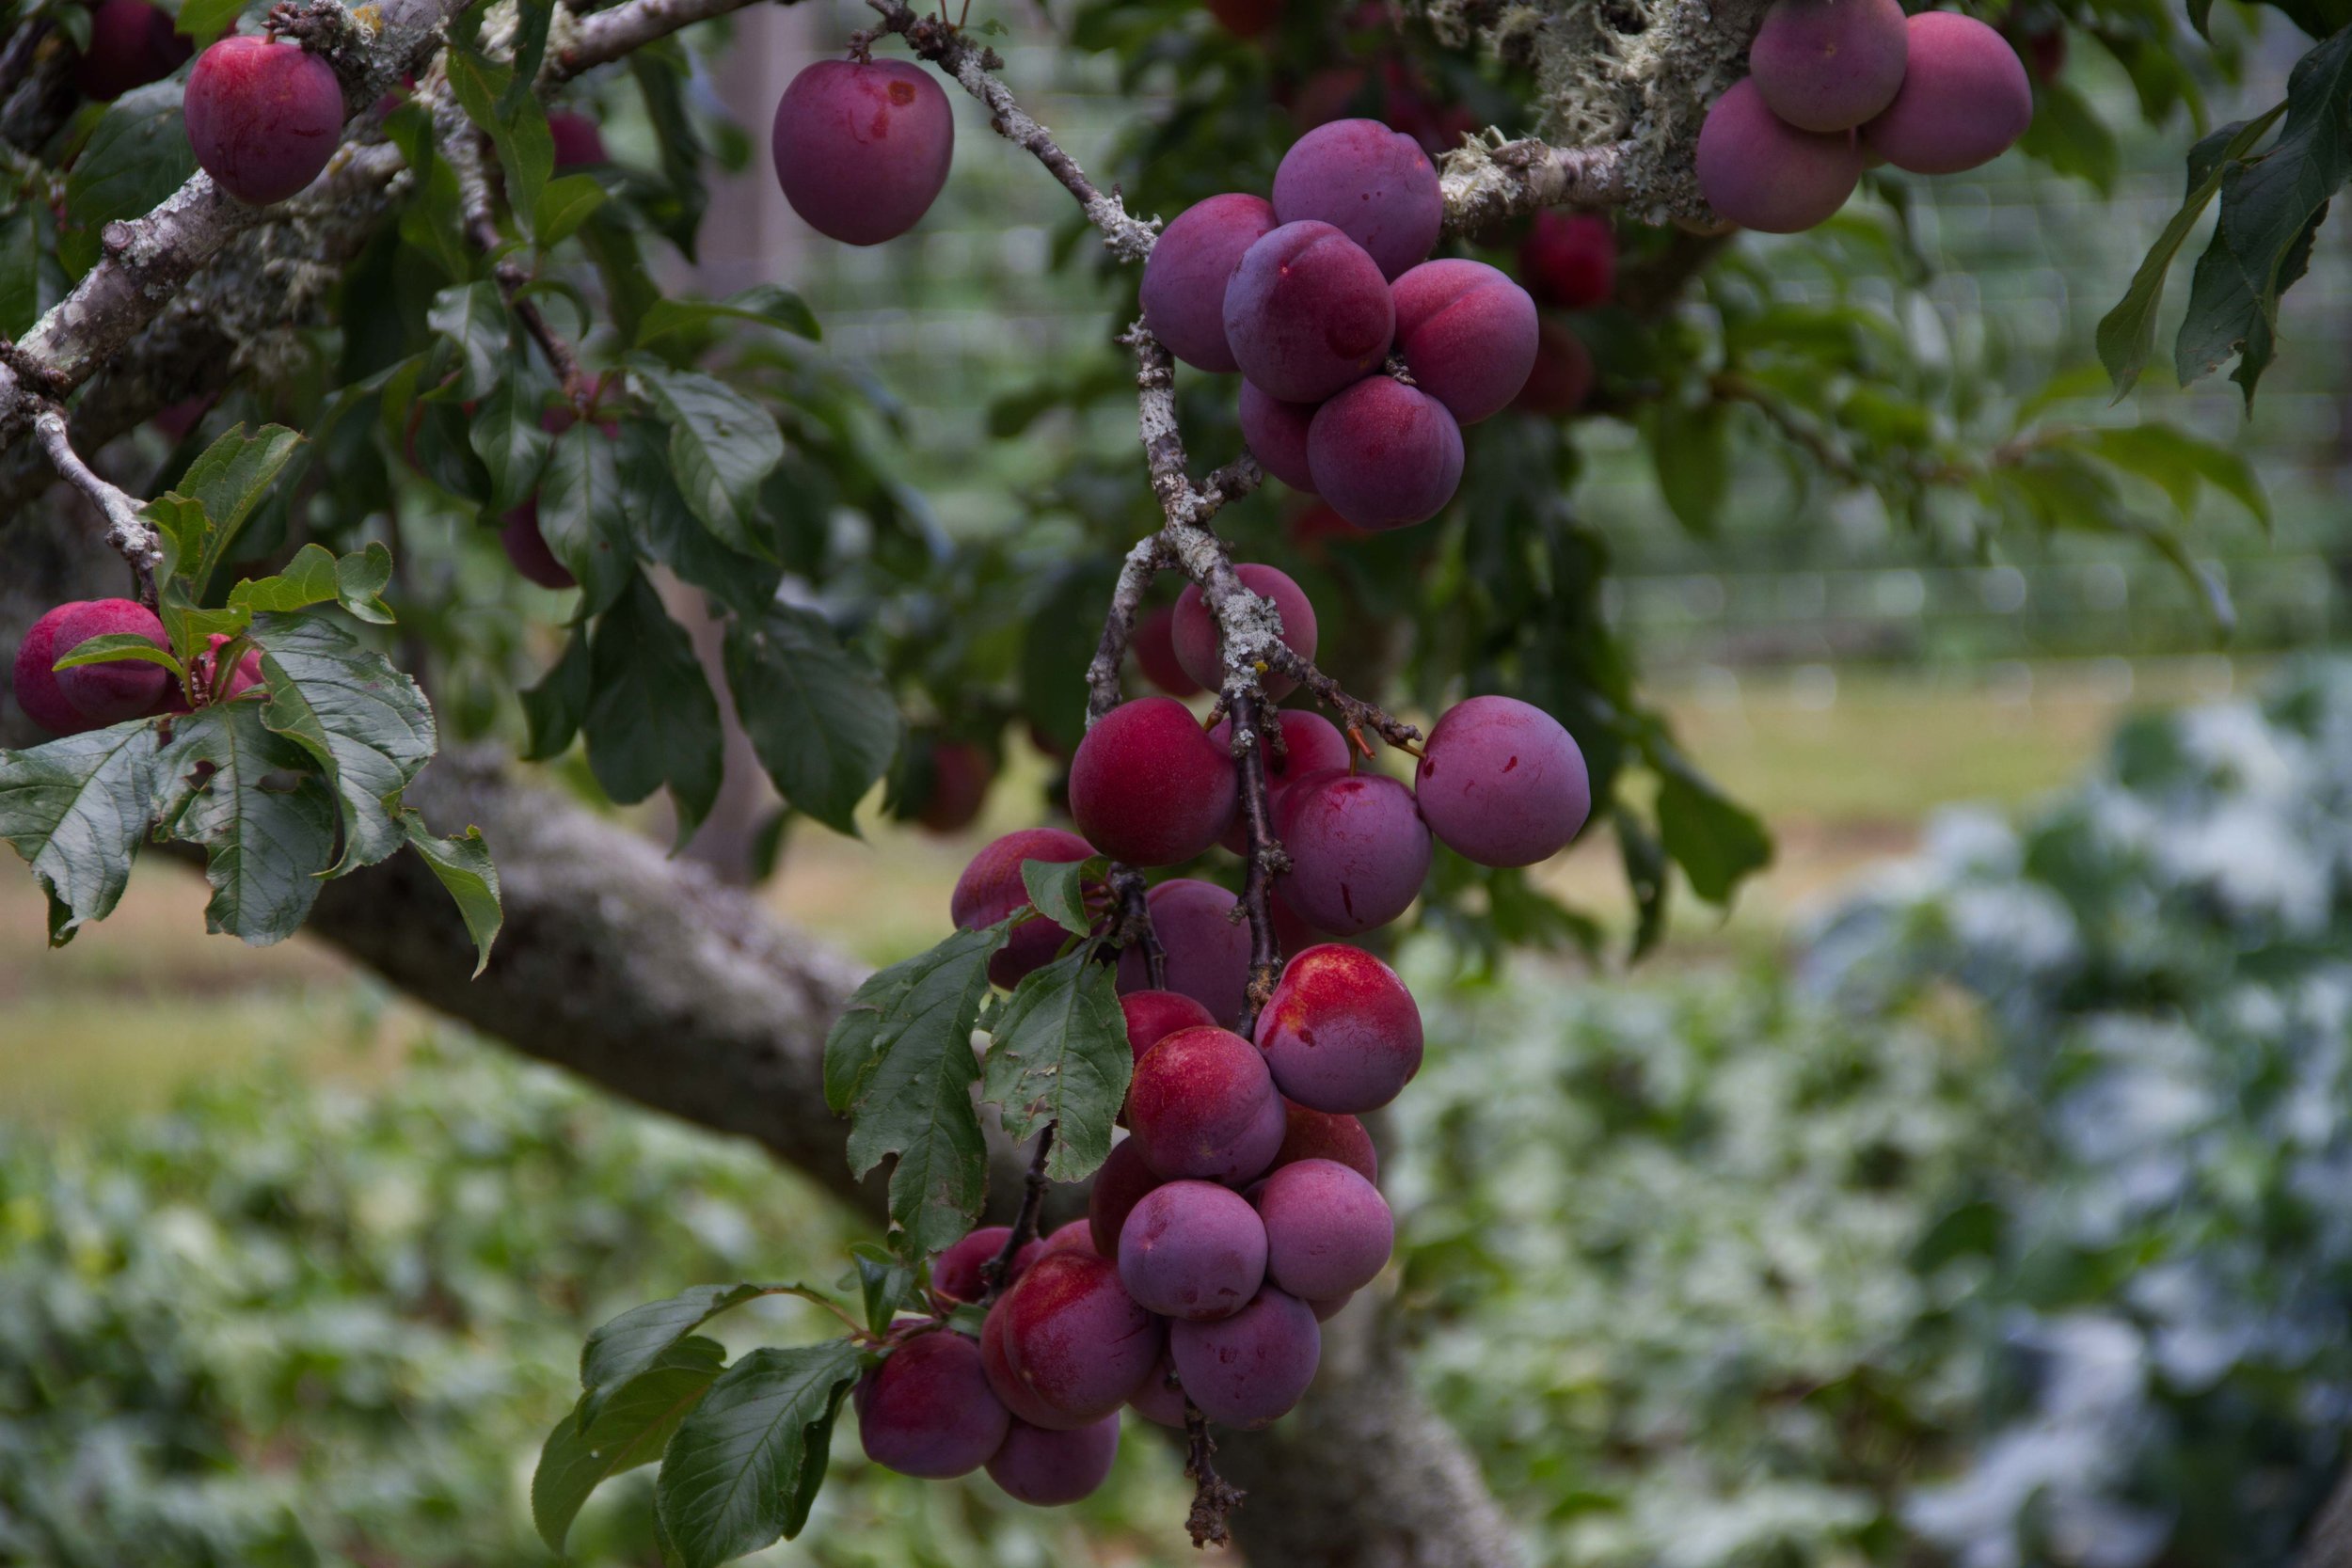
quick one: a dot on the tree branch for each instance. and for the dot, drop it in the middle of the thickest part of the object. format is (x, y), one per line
(128, 534)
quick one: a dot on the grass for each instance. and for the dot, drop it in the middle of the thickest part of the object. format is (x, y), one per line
(112, 1024)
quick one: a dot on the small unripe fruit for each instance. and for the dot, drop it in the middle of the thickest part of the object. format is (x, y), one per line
(263, 116)
(1189, 269)
(1964, 101)
(1758, 171)
(1195, 633)
(1828, 65)
(863, 147)
(1147, 787)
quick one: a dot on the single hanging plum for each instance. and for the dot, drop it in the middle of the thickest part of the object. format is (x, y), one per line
(863, 147)
(1503, 782)
(264, 117)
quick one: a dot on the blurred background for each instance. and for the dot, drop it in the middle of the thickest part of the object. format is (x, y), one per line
(1978, 1190)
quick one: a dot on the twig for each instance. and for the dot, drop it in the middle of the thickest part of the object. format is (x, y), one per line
(1359, 715)
(1484, 184)
(1265, 859)
(1134, 924)
(1213, 1498)
(130, 535)
(997, 1269)
(18, 53)
(1142, 565)
(603, 36)
(1128, 238)
(461, 144)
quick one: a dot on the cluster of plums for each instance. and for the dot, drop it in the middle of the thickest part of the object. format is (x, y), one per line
(1309, 294)
(1836, 85)
(92, 696)
(1238, 1215)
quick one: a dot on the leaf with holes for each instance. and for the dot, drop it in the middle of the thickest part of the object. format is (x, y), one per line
(267, 819)
(1061, 1058)
(77, 810)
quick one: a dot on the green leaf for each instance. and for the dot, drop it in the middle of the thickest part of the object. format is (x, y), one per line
(583, 516)
(360, 578)
(309, 579)
(463, 865)
(1716, 841)
(248, 796)
(508, 437)
(884, 1282)
(533, 19)
(746, 1465)
(20, 269)
(77, 809)
(202, 21)
(1062, 1059)
(137, 155)
(639, 1339)
(117, 646)
(900, 1063)
(765, 303)
(1057, 890)
(517, 125)
(820, 716)
(565, 205)
(651, 720)
(228, 480)
(2066, 134)
(1692, 458)
(471, 318)
(553, 708)
(365, 724)
(663, 71)
(635, 1425)
(721, 445)
(2181, 464)
(2270, 210)
(2127, 334)
(1645, 874)
(666, 529)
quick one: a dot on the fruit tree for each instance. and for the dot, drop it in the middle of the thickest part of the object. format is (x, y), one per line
(345, 364)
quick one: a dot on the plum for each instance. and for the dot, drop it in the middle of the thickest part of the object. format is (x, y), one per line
(1276, 434)
(1153, 642)
(1358, 851)
(928, 1410)
(1196, 631)
(1194, 1250)
(956, 1272)
(1202, 1105)
(992, 888)
(264, 117)
(1570, 259)
(1119, 1186)
(1047, 1468)
(1828, 65)
(1964, 99)
(1184, 280)
(1147, 786)
(1066, 1345)
(1311, 744)
(1384, 454)
(1312, 1135)
(90, 696)
(863, 147)
(1152, 1016)
(1207, 950)
(1562, 381)
(1501, 782)
(526, 548)
(1329, 1232)
(1341, 1033)
(1250, 1370)
(131, 44)
(1375, 186)
(577, 142)
(1308, 313)
(1758, 171)
(960, 774)
(1467, 334)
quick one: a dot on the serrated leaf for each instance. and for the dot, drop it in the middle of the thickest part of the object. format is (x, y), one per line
(77, 809)
(885, 1283)
(638, 1340)
(666, 529)
(266, 820)
(900, 1062)
(309, 579)
(721, 446)
(1057, 890)
(116, 647)
(583, 516)
(227, 481)
(365, 724)
(651, 718)
(635, 1425)
(746, 1465)
(137, 155)
(1717, 842)
(1062, 1059)
(769, 303)
(463, 866)
(820, 716)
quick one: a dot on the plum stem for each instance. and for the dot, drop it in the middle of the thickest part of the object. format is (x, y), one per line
(1213, 1498)
(997, 1269)
(1134, 924)
(461, 144)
